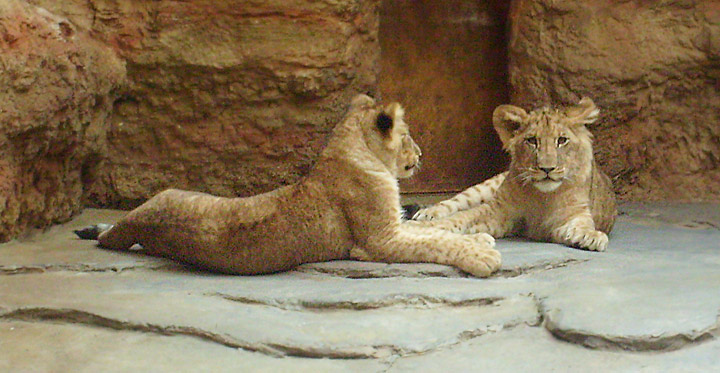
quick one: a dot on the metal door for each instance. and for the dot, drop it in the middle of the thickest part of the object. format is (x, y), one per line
(446, 62)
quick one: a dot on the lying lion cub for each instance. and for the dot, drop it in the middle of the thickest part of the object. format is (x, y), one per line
(347, 207)
(554, 191)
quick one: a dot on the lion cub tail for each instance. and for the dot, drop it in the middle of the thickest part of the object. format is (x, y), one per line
(92, 232)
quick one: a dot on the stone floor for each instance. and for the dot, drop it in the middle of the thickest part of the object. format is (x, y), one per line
(650, 303)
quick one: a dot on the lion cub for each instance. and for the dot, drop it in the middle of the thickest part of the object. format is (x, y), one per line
(348, 206)
(553, 191)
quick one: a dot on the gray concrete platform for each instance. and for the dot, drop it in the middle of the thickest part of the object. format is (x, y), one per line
(650, 303)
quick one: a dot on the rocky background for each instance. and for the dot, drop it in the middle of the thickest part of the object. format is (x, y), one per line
(57, 90)
(227, 97)
(104, 103)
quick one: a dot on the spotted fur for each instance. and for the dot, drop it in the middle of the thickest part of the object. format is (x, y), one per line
(347, 207)
(470, 197)
(553, 190)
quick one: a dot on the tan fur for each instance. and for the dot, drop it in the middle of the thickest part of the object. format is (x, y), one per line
(346, 207)
(570, 202)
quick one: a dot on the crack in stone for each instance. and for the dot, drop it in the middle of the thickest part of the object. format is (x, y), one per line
(450, 272)
(472, 334)
(272, 349)
(389, 353)
(349, 273)
(83, 268)
(651, 343)
(72, 316)
(414, 300)
(547, 266)
(364, 274)
(700, 224)
(468, 335)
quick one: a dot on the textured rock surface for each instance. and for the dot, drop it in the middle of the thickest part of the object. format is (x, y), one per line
(527, 349)
(228, 97)
(649, 303)
(57, 88)
(653, 69)
(47, 347)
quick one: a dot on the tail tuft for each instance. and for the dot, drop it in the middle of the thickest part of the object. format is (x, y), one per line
(92, 232)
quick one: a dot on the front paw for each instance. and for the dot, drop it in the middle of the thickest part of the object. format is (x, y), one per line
(481, 260)
(593, 241)
(483, 238)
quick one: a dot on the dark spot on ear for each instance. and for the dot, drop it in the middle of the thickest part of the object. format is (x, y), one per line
(384, 122)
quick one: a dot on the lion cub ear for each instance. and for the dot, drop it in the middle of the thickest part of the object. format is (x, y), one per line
(362, 100)
(585, 112)
(507, 119)
(386, 119)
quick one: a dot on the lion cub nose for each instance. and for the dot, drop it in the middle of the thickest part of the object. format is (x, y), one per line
(547, 170)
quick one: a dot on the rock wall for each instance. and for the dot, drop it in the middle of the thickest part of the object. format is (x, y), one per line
(653, 68)
(57, 88)
(105, 102)
(226, 97)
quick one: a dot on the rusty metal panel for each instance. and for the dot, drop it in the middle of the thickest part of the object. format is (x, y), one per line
(446, 61)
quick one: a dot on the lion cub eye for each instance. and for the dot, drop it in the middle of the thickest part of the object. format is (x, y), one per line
(532, 141)
(562, 140)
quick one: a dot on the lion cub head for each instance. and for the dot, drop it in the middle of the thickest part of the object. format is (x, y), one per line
(548, 147)
(388, 137)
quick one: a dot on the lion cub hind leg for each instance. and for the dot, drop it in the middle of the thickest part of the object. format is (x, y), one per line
(580, 232)
(118, 237)
(474, 254)
(109, 236)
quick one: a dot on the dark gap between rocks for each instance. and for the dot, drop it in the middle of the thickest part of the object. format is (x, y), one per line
(276, 350)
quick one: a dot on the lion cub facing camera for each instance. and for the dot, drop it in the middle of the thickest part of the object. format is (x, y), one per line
(553, 191)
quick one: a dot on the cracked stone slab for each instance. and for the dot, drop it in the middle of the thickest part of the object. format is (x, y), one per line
(681, 215)
(527, 349)
(364, 270)
(48, 347)
(655, 289)
(521, 257)
(165, 303)
(297, 290)
(652, 290)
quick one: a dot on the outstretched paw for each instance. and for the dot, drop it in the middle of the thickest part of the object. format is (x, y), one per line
(484, 238)
(481, 260)
(92, 232)
(593, 241)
